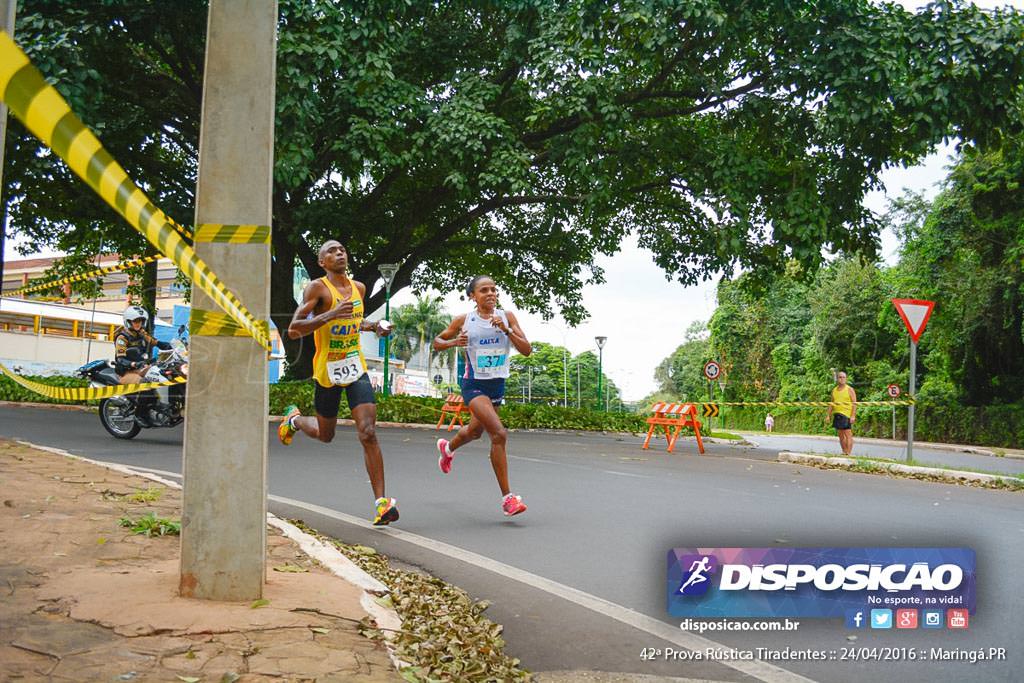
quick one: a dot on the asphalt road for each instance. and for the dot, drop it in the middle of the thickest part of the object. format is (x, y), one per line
(602, 516)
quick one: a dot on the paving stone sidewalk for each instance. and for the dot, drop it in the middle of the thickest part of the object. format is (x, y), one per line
(82, 598)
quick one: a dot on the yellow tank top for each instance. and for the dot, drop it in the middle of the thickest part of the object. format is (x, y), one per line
(339, 357)
(841, 401)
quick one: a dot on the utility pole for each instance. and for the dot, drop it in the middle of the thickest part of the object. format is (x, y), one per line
(224, 520)
(565, 378)
(7, 8)
(600, 361)
(577, 382)
(388, 272)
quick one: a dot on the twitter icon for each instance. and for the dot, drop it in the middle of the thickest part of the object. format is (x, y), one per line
(881, 618)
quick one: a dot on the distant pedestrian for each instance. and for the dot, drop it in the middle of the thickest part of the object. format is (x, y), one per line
(769, 423)
(842, 410)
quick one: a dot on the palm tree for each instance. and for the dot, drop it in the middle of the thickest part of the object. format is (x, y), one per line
(416, 325)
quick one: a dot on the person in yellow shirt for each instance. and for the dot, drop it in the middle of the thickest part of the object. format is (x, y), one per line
(332, 311)
(842, 411)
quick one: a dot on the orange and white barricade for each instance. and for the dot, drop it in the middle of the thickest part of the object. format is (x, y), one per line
(671, 418)
(452, 405)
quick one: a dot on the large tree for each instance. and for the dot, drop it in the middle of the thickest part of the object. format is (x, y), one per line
(965, 250)
(523, 138)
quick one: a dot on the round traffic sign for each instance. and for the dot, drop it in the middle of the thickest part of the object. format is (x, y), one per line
(712, 370)
(894, 390)
(438, 379)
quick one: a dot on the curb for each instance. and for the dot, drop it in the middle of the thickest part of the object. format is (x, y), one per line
(331, 558)
(958, 448)
(55, 406)
(950, 475)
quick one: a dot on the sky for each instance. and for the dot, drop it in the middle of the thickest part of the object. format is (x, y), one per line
(644, 315)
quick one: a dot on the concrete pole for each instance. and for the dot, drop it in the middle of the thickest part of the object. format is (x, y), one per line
(223, 531)
(7, 8)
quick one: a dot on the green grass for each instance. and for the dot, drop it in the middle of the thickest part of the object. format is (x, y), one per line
(869, 465)
(151, 525)
(726, 435)
(150, 495)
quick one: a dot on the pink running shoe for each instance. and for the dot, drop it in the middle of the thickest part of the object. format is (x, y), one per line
(512, 505)
(445, 461)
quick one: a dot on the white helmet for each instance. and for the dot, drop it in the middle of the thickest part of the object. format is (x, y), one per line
(134, 313)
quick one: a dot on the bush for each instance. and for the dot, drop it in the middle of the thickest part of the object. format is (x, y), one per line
(421, 410)
(12, 391)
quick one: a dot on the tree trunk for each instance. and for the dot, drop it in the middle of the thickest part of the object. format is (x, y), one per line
(299, 352)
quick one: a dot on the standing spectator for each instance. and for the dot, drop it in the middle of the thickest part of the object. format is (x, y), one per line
(844, 405)
(769, 423)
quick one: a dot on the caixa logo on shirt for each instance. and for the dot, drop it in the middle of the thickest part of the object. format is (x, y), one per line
(809, 582)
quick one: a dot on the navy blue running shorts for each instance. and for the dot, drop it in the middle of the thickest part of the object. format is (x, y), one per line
(493, 389)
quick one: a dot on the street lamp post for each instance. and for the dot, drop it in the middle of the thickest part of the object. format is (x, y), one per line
(387, 271)
(600, 361)
(578, 405)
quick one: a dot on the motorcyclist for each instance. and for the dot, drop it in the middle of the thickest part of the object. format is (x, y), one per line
(133, 354)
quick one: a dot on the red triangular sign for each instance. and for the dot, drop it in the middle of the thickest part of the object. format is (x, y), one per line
(915, 314)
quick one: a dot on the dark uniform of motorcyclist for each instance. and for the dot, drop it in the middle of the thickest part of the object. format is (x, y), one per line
(133, 347)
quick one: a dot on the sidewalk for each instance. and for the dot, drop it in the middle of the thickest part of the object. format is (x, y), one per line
(993, 451)
(86, 599)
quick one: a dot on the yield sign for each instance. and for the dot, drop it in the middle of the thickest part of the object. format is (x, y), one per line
(915, 314)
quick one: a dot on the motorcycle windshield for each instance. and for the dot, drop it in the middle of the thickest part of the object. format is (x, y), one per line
(92, 365)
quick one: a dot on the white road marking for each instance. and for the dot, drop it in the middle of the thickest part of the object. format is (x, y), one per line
(628, 474)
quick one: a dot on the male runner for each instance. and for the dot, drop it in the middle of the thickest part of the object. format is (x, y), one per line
(332, 311)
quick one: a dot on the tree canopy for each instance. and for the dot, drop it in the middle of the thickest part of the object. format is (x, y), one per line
(963, 250)
(523, 138)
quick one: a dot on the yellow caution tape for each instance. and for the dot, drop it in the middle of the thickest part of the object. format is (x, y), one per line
(85, 276)
(85, 393)
(45, 113)
(183, 231)
(214, 324)
(234, 234)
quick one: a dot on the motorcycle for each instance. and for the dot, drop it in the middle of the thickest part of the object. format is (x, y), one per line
(119, 414)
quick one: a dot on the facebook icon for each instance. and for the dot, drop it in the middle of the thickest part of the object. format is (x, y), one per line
(855, 618)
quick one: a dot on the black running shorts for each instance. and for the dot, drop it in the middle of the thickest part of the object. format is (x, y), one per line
(327, 399)
(841, 422)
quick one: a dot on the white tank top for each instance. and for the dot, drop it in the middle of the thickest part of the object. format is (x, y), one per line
(488, 348)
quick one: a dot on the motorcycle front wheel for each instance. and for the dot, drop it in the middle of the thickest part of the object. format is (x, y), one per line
(118, 418)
